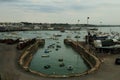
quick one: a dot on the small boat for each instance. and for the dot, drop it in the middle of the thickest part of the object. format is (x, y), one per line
(51, 46)
(77, 36)
(13, 33)
(58, 46)
(103, 37)
(68, 37)
(46, 51)
(94, 29)
(62, 65)
(56, 49)
(55, 38)
(60, 60)
(70, 68)
(57, 35)
(47, 66)
(57, 42)
(45, 56)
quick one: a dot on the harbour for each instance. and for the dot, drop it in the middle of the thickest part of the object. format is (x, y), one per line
(55, 56)
(59, 40)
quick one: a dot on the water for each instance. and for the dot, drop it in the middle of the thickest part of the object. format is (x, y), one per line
(109, 29)
(69, 56)
(44, 34)
(41, 34)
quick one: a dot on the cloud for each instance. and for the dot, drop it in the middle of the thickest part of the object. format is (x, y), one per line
(54, 6)
(9, 1)
(57, 9)
(6, 0)
(43, 8)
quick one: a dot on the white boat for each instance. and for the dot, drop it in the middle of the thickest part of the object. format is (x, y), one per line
(70, 67)
(45, 56)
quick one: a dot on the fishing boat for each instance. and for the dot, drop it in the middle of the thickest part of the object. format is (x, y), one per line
(62, 30)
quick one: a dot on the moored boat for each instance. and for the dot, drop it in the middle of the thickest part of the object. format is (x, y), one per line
(45, 56)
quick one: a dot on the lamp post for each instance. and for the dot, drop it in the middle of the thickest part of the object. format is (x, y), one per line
(88, 34)
(88, 20)
(77, 39)
(78, 21)
(78, 26)
(88, 28)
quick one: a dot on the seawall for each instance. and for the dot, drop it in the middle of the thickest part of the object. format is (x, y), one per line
(27, 54)
(90, 59)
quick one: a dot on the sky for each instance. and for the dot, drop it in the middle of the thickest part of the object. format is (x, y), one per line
(61, 11)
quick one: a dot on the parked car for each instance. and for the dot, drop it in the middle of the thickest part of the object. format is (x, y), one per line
(117, 61)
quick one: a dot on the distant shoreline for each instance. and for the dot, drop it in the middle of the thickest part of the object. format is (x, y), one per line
(55, 29)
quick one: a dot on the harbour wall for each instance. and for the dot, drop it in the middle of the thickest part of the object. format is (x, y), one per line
(27, 55)
(89, 58)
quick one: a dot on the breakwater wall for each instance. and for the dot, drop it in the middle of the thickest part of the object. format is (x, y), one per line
(90, 59)
(27, 54)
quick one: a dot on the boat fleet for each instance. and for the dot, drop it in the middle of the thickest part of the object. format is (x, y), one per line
(61, 64)
(46, 54)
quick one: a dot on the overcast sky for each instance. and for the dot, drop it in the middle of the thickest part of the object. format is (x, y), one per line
(60, 11)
